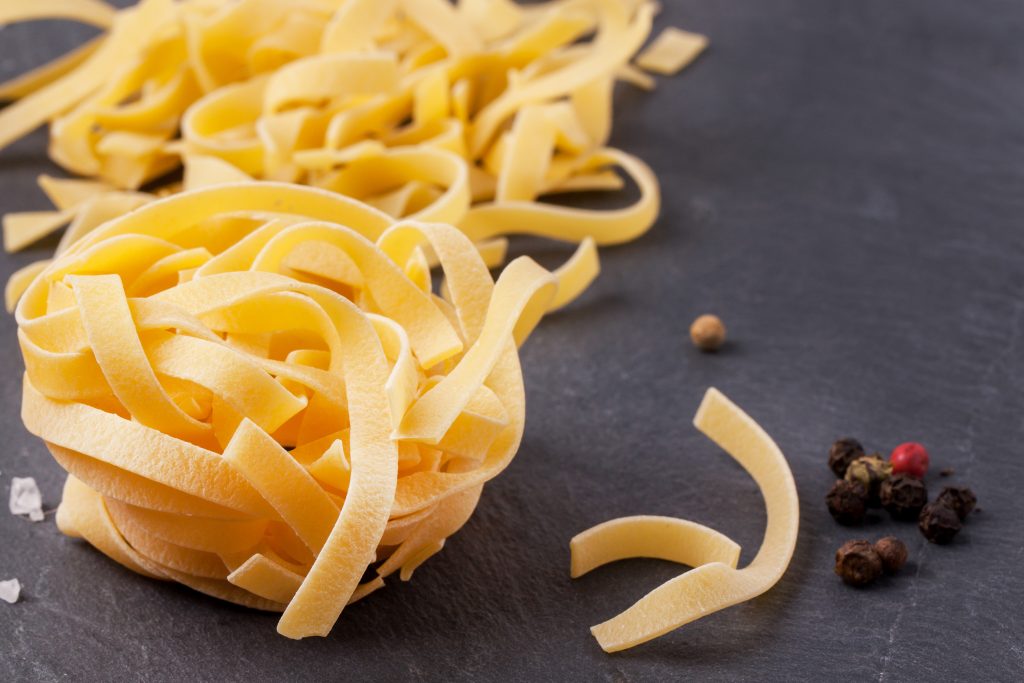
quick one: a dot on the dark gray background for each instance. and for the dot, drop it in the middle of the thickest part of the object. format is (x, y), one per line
(844, 185)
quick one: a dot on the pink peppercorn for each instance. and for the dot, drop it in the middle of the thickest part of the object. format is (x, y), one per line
(909, 458)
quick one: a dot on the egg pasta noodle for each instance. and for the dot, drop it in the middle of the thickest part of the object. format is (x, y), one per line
(715, 583)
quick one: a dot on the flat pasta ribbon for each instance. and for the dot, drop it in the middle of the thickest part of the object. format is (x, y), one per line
(714, 583)
(257, 393)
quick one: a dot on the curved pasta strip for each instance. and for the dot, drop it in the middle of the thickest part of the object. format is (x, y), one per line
(93, 12)
(547, 220)
(662, 538)
(33, 80)
(715, 583)
(19, 282)
(576, 274)
(226, 412)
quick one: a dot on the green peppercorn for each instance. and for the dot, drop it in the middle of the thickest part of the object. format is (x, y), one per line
(903, 496)
(870, 471)
(843, 452)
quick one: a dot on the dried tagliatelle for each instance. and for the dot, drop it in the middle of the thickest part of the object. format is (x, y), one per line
(714, 583)
(465, 113)
(256, 392)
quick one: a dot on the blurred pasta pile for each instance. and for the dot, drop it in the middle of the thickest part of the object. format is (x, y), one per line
(466, 114)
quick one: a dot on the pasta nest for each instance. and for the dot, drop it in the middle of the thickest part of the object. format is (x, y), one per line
(256, 392)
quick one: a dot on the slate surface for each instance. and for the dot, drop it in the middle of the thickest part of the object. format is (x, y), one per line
(844, 184)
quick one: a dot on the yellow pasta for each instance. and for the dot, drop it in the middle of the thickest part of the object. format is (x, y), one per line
(672, 51)
(468, 113)
(714, 583)
(247, 373)
(256, 392)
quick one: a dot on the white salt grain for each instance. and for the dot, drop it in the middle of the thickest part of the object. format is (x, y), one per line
(10, 590)
(26, 499)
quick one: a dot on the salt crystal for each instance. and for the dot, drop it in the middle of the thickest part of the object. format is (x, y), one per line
(26, 499)
(10, 590)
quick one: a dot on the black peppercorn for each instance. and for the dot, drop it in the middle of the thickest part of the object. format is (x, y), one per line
(938, 522)
(846, 502)
(903, 496)
(892, 552)
(842, 453)
(960, 498)
(870, 471)
(857, 563)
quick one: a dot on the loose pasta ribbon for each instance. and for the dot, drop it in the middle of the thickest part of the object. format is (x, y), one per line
(715, 583)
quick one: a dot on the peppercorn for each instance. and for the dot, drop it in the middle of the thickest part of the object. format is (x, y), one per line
(909, 458)
(857, 563)
(903, 496)
(960, 498)
(843, 452)
(846, 501)
(870, 471)
(893, 553)
(708, 333)
(939, 522)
